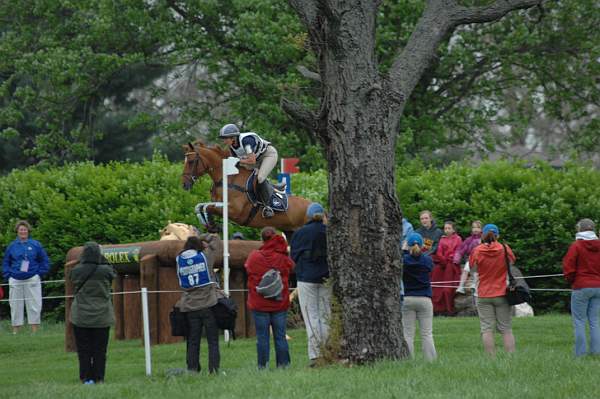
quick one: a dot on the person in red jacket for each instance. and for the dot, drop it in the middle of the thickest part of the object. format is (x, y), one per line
(269, 309)
(445, 274)
(581, 267)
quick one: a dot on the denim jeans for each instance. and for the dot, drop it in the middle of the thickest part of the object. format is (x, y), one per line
(277, 321)
(585, 307)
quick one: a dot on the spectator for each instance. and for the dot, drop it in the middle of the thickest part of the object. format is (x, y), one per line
(430, 232)
(92, 312)
(25, 263)
(309, 252)
(464, 251)
(270, 311)
(445, 273)
(489, 261)
(407, 229)
(197, 279)
(581, 267)
(417, 296)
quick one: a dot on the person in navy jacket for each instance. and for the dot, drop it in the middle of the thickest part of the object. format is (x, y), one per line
(25, 262)
(417, 296)
(309, 251)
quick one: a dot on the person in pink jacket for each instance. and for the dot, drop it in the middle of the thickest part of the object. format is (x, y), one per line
(464, 251)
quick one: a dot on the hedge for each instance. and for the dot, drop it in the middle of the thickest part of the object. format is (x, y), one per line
(536, 207)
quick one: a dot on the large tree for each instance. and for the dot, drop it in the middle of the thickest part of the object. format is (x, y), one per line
(357, 123)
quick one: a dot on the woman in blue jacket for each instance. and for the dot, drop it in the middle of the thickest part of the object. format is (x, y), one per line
(25, 262)
(309, 251)
(417, 296)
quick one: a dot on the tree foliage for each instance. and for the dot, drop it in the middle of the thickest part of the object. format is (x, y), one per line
(111, 80)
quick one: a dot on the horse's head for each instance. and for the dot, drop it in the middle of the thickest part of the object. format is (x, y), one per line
(201, 159)
(193, 166)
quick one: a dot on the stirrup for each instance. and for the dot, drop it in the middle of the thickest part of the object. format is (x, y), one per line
(280, 187)
(267, 212)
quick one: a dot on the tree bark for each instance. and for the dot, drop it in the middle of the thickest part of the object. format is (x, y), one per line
(357, 124)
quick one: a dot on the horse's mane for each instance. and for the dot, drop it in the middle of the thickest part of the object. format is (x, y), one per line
(214, 148)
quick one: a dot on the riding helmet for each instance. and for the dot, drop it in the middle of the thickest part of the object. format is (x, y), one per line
(229, 130)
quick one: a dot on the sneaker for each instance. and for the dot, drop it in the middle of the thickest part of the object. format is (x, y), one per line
(89, 382)
(460, 290)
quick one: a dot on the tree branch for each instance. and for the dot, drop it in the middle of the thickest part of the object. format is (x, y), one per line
(308, 74)
(467, 15)
(304, 117)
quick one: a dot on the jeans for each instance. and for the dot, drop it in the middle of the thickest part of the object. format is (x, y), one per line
(91, 351)
(585, 307)
(196, 320)
(419, 308)
(277, 321)
(315, 304)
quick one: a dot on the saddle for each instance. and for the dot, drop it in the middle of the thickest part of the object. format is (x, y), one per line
(277, 197)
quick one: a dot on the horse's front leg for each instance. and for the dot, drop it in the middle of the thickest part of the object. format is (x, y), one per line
(205, 213)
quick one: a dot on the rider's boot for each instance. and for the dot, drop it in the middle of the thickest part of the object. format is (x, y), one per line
(263, 190)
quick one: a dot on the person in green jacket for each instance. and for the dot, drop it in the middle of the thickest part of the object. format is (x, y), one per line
(92, 312)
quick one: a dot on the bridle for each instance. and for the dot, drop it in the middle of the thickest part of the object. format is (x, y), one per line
(197, 160)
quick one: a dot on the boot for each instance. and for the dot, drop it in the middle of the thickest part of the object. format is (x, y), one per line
(264, 191)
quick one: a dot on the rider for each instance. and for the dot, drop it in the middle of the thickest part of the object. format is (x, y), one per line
(252, 150)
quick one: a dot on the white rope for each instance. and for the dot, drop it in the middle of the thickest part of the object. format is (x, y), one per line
(33, 282)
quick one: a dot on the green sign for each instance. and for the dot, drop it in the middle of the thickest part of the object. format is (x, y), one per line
(122, 255)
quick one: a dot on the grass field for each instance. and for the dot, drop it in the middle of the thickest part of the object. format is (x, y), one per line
(36, 366)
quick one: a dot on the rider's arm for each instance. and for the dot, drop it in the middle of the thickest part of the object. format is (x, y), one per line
(249, 144)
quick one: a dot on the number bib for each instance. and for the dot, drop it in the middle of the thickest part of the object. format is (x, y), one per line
(193, 271)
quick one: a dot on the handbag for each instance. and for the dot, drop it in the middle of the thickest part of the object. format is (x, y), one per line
(179, 327)
(517, 291)
(225, 311)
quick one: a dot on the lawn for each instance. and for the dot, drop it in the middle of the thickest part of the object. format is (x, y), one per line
(36, 366)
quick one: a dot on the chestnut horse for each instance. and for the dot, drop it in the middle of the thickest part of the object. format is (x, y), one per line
(201, 159)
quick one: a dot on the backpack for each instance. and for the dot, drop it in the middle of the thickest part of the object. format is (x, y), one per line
(225, 312)
(271, 285)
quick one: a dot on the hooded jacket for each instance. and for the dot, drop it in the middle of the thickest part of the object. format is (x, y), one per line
(271, 255)
(92, 305)
(431, 238)
(581, 264)
(199, 298)
(490, 262)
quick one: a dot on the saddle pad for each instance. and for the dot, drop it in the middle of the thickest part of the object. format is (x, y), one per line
(278, 201)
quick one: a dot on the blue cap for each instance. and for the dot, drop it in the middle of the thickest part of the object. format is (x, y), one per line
(414, 238)
(491, 227)
(314, 209)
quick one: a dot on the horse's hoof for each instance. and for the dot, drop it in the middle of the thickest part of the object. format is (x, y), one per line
(212, 228)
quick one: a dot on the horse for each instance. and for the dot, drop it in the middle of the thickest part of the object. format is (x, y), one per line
(201, 159)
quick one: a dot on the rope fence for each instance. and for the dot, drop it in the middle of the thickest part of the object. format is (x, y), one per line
(435, 284)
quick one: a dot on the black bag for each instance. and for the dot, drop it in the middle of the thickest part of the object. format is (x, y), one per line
(178, 321)
(225, 312)
(517, 291)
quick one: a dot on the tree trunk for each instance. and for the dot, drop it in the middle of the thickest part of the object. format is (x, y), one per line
(364, 230)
